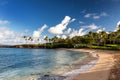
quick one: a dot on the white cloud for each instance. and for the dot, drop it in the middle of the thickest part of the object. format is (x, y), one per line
(63, 36)
(103, 14)
(3, 22)
(88, 15)
(92, 26)
(117, 27)
(68, 31)
(81, 22)
(59, 28)
(100, 30)
(9, 37)
(5, 32)
(73, 20)
(83, 30)
(58, 36)
(38, 32)
(79, 32)
(118, 24)
(95, 15)
(74, 33)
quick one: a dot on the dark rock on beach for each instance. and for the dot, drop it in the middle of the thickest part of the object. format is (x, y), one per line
(49, 77)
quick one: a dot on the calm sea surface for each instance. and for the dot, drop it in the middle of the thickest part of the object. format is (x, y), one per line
(16, 64)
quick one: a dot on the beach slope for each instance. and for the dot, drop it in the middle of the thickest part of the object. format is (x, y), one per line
(102, 68)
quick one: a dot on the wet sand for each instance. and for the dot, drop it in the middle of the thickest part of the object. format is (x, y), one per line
(102, 68)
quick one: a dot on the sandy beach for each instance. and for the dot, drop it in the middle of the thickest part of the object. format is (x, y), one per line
(100, 71)
(102, 68)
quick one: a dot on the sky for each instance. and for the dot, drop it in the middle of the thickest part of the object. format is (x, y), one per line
(62, 18)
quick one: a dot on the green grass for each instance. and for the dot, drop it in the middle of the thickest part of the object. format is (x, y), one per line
(107, 47)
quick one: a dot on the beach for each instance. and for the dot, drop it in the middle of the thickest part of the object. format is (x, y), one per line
(101, 70)
(76, 64)
(96, 69)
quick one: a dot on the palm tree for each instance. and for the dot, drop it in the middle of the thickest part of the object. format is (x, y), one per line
(38, 40)
(111, 37)
(117, 37)
(46, 39)
(90, 37)
(30, 39)
(26, 38)
(55, 39)
(103, 36)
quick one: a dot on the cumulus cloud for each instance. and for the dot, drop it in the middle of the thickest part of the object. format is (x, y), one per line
(5, 32)
(74, 33)
(79, 32)
(95, 15)
(63, 36)
(3, 22)
(38, 32)
(118, 26)
(92, 26)
(73, 20)
(100, 30)
(83, 30)
(58, 36)
(9, 37)
(59, 28)
(68, 31)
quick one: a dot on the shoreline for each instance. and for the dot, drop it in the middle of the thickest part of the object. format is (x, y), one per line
(85, 60)
(101, 70)
(79, 67)
(83, 65)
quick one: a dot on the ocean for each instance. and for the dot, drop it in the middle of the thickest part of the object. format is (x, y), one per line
(25, 64)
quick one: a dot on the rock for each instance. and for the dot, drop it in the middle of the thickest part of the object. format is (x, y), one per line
(48, 77)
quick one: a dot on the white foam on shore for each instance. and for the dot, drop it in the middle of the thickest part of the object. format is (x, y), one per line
(8, 74)
(83, 68)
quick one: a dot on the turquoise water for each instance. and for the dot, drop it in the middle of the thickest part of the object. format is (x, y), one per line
(18, 64)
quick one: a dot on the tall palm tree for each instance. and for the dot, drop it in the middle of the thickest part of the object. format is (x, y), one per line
(117, 37)
(46, 39)
(30, 39)
(96, 38)
(26, 38)
(111, 37)
(90, 37)
(104, 36)
(55, 39)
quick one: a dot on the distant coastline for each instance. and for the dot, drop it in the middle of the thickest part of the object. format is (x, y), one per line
(62, 45)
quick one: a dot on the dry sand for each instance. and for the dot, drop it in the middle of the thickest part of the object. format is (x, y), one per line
(102, 68)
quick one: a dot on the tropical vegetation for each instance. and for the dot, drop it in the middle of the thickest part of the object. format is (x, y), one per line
(96, 40)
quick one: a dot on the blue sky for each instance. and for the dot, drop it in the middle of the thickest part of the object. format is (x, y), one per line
(39, 18)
